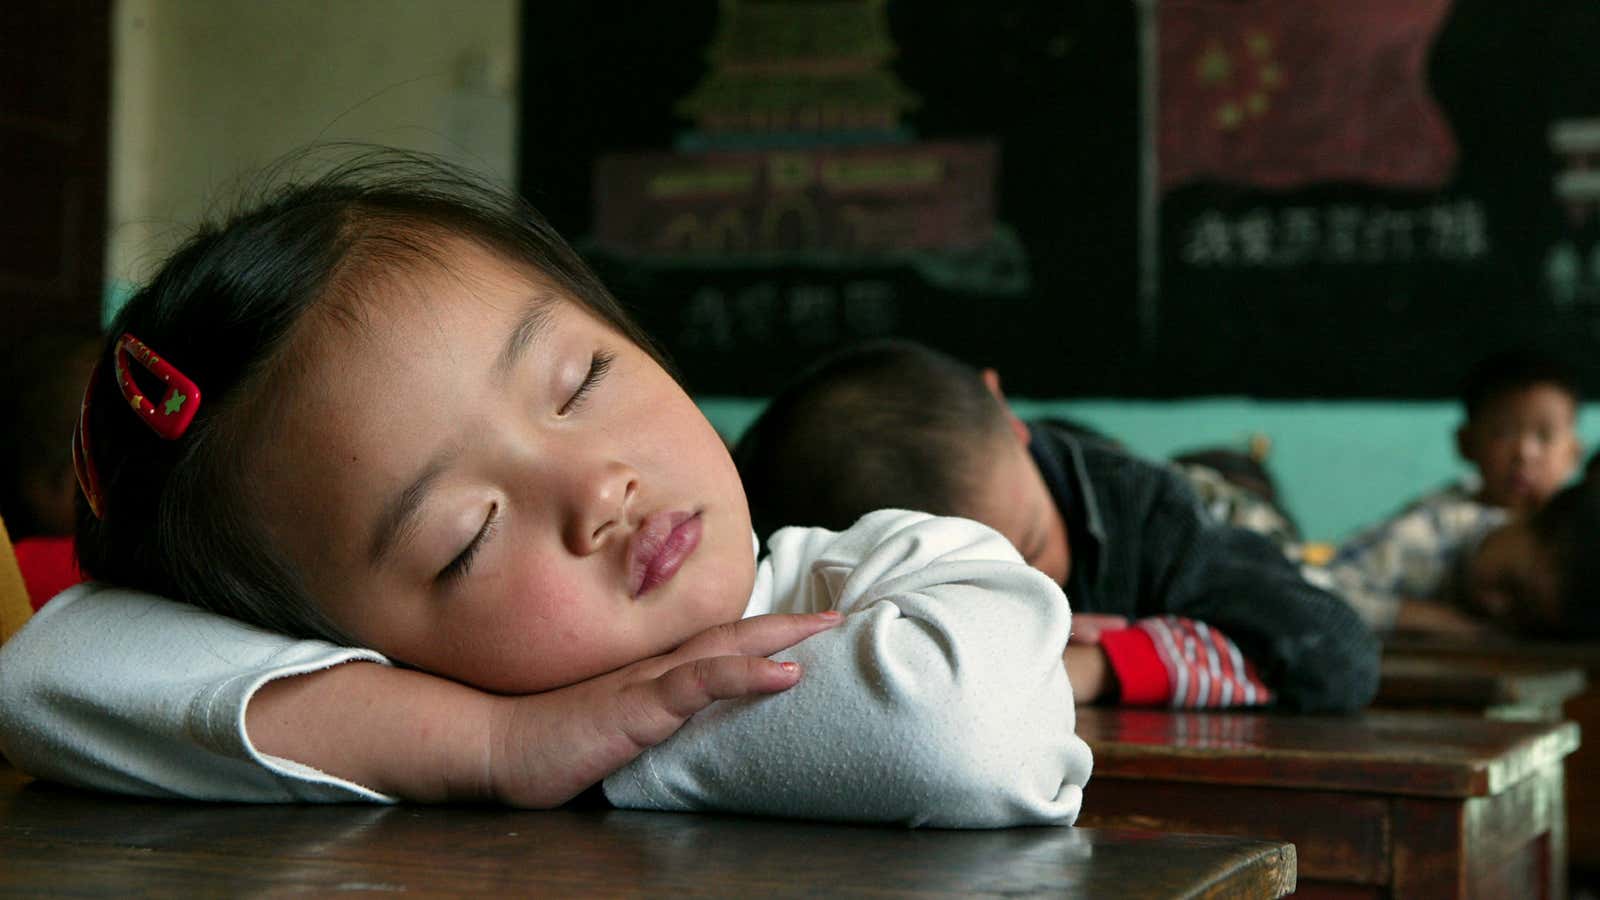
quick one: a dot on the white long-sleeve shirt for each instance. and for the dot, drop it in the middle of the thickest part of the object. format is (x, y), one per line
(940, 700)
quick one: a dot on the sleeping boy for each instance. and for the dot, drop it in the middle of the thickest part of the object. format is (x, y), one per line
(1220, 616)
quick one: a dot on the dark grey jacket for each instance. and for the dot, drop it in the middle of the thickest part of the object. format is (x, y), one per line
(1142, 546)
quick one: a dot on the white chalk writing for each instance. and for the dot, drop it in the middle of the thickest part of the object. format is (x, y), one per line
(1345, 234)
(809, 314)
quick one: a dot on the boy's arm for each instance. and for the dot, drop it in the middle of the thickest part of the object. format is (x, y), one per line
(941, 700)
(1310, 647)
(1173, 661)
(126, 692)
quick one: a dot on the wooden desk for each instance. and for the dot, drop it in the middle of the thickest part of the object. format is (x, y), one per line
(58, 840)
(1521, 691)
(1583, 767)
(1385, 804)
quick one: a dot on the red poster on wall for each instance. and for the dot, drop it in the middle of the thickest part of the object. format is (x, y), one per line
(1282, 93)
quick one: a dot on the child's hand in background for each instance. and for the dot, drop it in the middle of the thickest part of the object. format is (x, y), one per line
(1087, 667)
(1431, 617)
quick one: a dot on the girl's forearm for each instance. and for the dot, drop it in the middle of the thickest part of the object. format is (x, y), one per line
(396, 731)
(425, 738)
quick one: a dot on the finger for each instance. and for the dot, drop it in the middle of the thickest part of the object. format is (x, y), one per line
(659, 707)
(757, 636)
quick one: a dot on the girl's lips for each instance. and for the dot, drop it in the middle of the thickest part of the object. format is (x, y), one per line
(659, 548)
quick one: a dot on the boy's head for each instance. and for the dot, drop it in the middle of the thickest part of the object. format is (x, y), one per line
(1521, 428)
(1541, 574)
(893, 424)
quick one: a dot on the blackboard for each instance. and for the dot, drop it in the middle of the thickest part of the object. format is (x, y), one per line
(1101, 198)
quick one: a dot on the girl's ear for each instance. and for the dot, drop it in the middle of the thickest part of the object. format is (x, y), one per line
(1019, 429)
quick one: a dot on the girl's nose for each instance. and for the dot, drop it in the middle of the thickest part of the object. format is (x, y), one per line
(600, 507)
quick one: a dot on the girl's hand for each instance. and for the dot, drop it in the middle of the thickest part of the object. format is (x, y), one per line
(546, 748)
(420, 737)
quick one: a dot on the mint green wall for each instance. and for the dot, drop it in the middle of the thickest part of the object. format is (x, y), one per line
(1340, 464)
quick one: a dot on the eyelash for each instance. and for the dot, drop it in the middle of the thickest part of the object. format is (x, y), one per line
(599, 364)
(463, 561)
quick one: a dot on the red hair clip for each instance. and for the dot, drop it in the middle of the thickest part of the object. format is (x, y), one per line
(169, 420)
(178, 405)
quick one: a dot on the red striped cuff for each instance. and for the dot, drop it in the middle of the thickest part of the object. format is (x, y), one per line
(1205, 667)
(1141, 677)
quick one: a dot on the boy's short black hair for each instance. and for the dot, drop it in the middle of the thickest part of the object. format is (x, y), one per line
(1568, 526)
(1515, 370)
(883, 424)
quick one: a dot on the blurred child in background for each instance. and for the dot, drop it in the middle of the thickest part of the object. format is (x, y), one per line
(1520, 436)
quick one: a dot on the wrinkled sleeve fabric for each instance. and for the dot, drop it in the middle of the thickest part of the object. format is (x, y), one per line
(941, 700)
(121, 691)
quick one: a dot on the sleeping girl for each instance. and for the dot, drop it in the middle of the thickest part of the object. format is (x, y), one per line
(385, 498)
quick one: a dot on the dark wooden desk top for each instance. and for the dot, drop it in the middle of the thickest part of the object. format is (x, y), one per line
(1387, 753)
(1477, 684)
(59, 840)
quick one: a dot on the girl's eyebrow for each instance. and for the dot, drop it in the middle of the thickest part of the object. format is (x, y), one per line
(533, 323)
(399, 517)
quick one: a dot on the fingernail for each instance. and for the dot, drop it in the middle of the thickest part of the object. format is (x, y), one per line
(789, 667)
(830, 614)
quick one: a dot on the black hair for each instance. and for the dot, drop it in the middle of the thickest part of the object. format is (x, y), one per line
(177, 515)
(1515, 370)
(888, 423)
(1568, 528)
(41, 383)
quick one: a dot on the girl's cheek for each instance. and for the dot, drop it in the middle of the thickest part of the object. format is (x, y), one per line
(540, 588)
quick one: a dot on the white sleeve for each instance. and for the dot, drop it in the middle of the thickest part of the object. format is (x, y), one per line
(122, 691)
(941, 699)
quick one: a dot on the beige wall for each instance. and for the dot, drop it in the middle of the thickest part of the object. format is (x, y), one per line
(204, 92)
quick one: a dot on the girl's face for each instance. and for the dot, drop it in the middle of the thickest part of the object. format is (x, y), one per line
(484, 481)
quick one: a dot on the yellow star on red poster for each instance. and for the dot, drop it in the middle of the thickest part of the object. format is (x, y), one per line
(1245, 80)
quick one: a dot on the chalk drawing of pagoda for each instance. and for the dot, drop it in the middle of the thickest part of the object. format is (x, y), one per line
(799, 153)
(799, 71)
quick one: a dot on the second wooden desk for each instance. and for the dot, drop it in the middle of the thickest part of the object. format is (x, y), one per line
(1378, 805)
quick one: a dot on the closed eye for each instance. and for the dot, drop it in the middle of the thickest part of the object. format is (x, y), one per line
(463, 561)
(599, 364)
